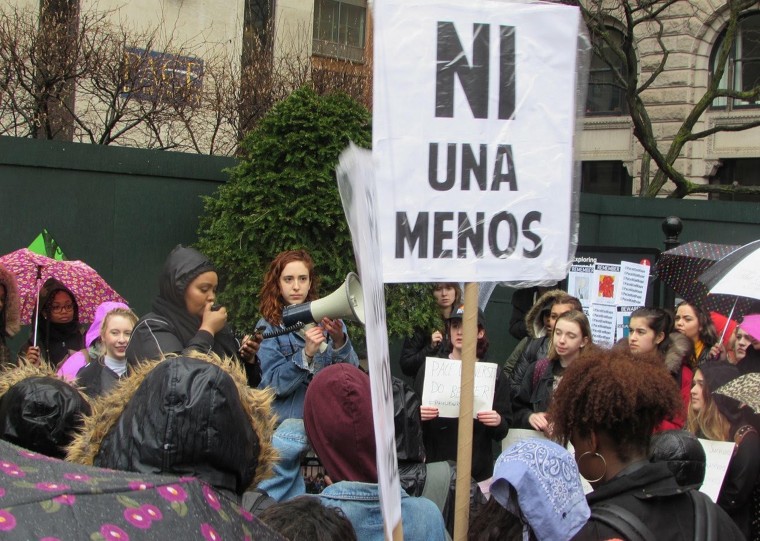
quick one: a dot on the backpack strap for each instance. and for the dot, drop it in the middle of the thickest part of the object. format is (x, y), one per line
(538, 373)
(622, 521)
(705, 517)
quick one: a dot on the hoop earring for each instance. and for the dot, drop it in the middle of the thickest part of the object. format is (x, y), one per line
(603, 462)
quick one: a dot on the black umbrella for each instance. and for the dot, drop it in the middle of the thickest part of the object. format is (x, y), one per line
(735, 277)
(46, 498)
(681, 267)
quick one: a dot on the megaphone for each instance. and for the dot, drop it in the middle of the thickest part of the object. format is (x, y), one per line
(346, 302)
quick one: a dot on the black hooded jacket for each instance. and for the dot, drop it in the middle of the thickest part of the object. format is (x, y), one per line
(55, 340)
(170, 328)
(183, 416)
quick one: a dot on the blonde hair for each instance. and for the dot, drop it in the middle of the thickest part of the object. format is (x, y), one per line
(123, 312)
(708, 422)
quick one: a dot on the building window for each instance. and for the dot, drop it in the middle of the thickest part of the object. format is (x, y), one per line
(738, 172)
(339, 29)
(742, 71)
(606, 95)
(605, 178)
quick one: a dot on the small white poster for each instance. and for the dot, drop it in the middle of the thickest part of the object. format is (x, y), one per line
(579, 282)
(606, 283)
(718, 454)
(603, 322)
(634, 279)
(442, 386)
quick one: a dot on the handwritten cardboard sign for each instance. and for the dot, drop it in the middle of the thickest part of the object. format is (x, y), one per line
(442, 386)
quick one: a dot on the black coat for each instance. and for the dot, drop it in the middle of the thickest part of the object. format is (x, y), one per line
(187, 417)
(440, 434)
(652, 495)
(533, 398)
(96, 378)
(417, 348)
(536, 349)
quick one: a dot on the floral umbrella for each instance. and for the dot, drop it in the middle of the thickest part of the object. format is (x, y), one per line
(46, 498)
(32, 270)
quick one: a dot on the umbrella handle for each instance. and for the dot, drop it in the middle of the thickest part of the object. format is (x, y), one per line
(730, 315)
(37, 309)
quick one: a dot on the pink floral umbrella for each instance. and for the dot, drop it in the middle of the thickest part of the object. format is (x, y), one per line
(32, 270)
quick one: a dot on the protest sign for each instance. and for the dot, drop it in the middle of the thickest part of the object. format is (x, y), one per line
(473, 131)
(579, 281)
(623, 320)
(606, 283)
(442, 386)
(603, 321)
(357, 192)
(718, 455)
(634, 280)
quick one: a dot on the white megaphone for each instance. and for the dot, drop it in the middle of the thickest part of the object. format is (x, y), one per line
(346, 302)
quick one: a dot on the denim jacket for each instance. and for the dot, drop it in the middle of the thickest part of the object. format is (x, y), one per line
(360, 502)
(285, 369)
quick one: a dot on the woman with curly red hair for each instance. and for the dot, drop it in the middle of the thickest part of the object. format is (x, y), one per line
(289, 361)
(607, 406)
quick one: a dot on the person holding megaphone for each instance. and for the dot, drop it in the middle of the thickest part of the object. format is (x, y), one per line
(309, 337)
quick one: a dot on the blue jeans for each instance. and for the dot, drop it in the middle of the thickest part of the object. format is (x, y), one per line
(290, 441)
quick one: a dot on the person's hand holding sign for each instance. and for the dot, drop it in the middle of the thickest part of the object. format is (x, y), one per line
(489, 418)
(539, 421)
(428, 413)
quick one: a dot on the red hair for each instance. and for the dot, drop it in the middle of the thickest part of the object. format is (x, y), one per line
(271, 302)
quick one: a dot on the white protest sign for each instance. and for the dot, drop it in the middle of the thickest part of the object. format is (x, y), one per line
(603, 320)
(579, 281)
(473, 131)
(634, 281)
(442, 386)
(357, 192)
(606, 283)
(718, 454)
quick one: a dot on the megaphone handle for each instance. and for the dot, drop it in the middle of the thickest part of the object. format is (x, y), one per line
(285, 330)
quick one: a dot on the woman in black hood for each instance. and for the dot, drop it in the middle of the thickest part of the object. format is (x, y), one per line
(185, 319)
(58, 332)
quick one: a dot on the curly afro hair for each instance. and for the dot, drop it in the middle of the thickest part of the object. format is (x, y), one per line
(613, 392)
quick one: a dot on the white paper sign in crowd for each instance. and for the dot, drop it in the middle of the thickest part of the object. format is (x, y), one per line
(718, 456)
(473, 129)
(443, 378)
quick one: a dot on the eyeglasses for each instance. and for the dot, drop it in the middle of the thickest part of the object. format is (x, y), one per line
(57, 308)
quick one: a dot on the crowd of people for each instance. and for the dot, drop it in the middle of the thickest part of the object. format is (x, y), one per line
(176, 392)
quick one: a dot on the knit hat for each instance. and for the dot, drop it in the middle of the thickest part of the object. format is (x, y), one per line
(337, 415)
(539, 480)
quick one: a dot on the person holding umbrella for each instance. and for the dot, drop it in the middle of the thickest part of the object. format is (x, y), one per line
(58, 333)
(9, 312)
(719, 418)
